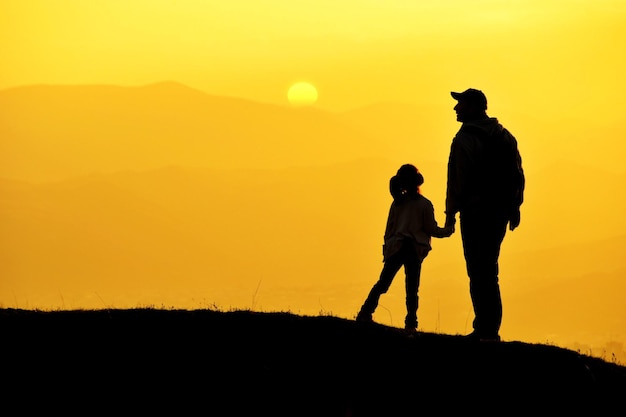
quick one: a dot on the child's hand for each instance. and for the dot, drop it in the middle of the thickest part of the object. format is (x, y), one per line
(449, 230)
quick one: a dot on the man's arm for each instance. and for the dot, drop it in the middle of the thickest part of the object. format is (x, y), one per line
(453, 186)
(519, 184)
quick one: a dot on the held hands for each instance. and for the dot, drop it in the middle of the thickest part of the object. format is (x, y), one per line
(448, 231)
(514, 221)
(449, 225)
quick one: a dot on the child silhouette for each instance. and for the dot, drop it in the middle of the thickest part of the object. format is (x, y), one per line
(410, 225)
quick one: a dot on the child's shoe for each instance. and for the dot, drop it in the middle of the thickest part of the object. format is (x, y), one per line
(410, 331)
(364, 318)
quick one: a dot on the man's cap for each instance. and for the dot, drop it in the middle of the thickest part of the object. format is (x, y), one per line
(471, 95)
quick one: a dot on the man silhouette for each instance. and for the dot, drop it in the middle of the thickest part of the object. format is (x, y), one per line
(486, 187)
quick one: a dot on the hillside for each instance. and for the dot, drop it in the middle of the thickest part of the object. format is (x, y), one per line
(242, 363)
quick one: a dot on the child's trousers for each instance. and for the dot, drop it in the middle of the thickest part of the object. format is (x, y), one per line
(408, 257)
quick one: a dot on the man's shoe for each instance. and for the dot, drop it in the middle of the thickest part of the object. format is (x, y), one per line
(473, 336)
(477, 337)
(364, 318)
(495, 338)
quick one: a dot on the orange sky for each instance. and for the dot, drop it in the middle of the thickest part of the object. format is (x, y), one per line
(556, 62)
(562, 57)
(552, 71)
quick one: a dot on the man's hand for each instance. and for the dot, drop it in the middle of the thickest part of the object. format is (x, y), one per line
(450, 220)
(514, 220)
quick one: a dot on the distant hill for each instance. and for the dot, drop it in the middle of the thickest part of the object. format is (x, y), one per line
(55, 132)
(241, 363)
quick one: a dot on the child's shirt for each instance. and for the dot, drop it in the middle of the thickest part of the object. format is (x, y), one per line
(412, 218)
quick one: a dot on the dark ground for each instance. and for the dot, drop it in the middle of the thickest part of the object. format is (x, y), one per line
(242, 363)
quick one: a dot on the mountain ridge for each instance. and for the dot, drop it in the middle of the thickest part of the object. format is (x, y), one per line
(56, 132)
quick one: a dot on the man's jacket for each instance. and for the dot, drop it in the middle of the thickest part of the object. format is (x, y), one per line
(484, 170)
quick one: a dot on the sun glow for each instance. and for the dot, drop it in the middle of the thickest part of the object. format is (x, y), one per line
(302, 94)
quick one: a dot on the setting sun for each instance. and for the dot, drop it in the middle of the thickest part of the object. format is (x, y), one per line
(302, 94)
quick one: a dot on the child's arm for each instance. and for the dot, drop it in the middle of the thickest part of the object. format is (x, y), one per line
(448, 230)
(441, 232)
(432, 228)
